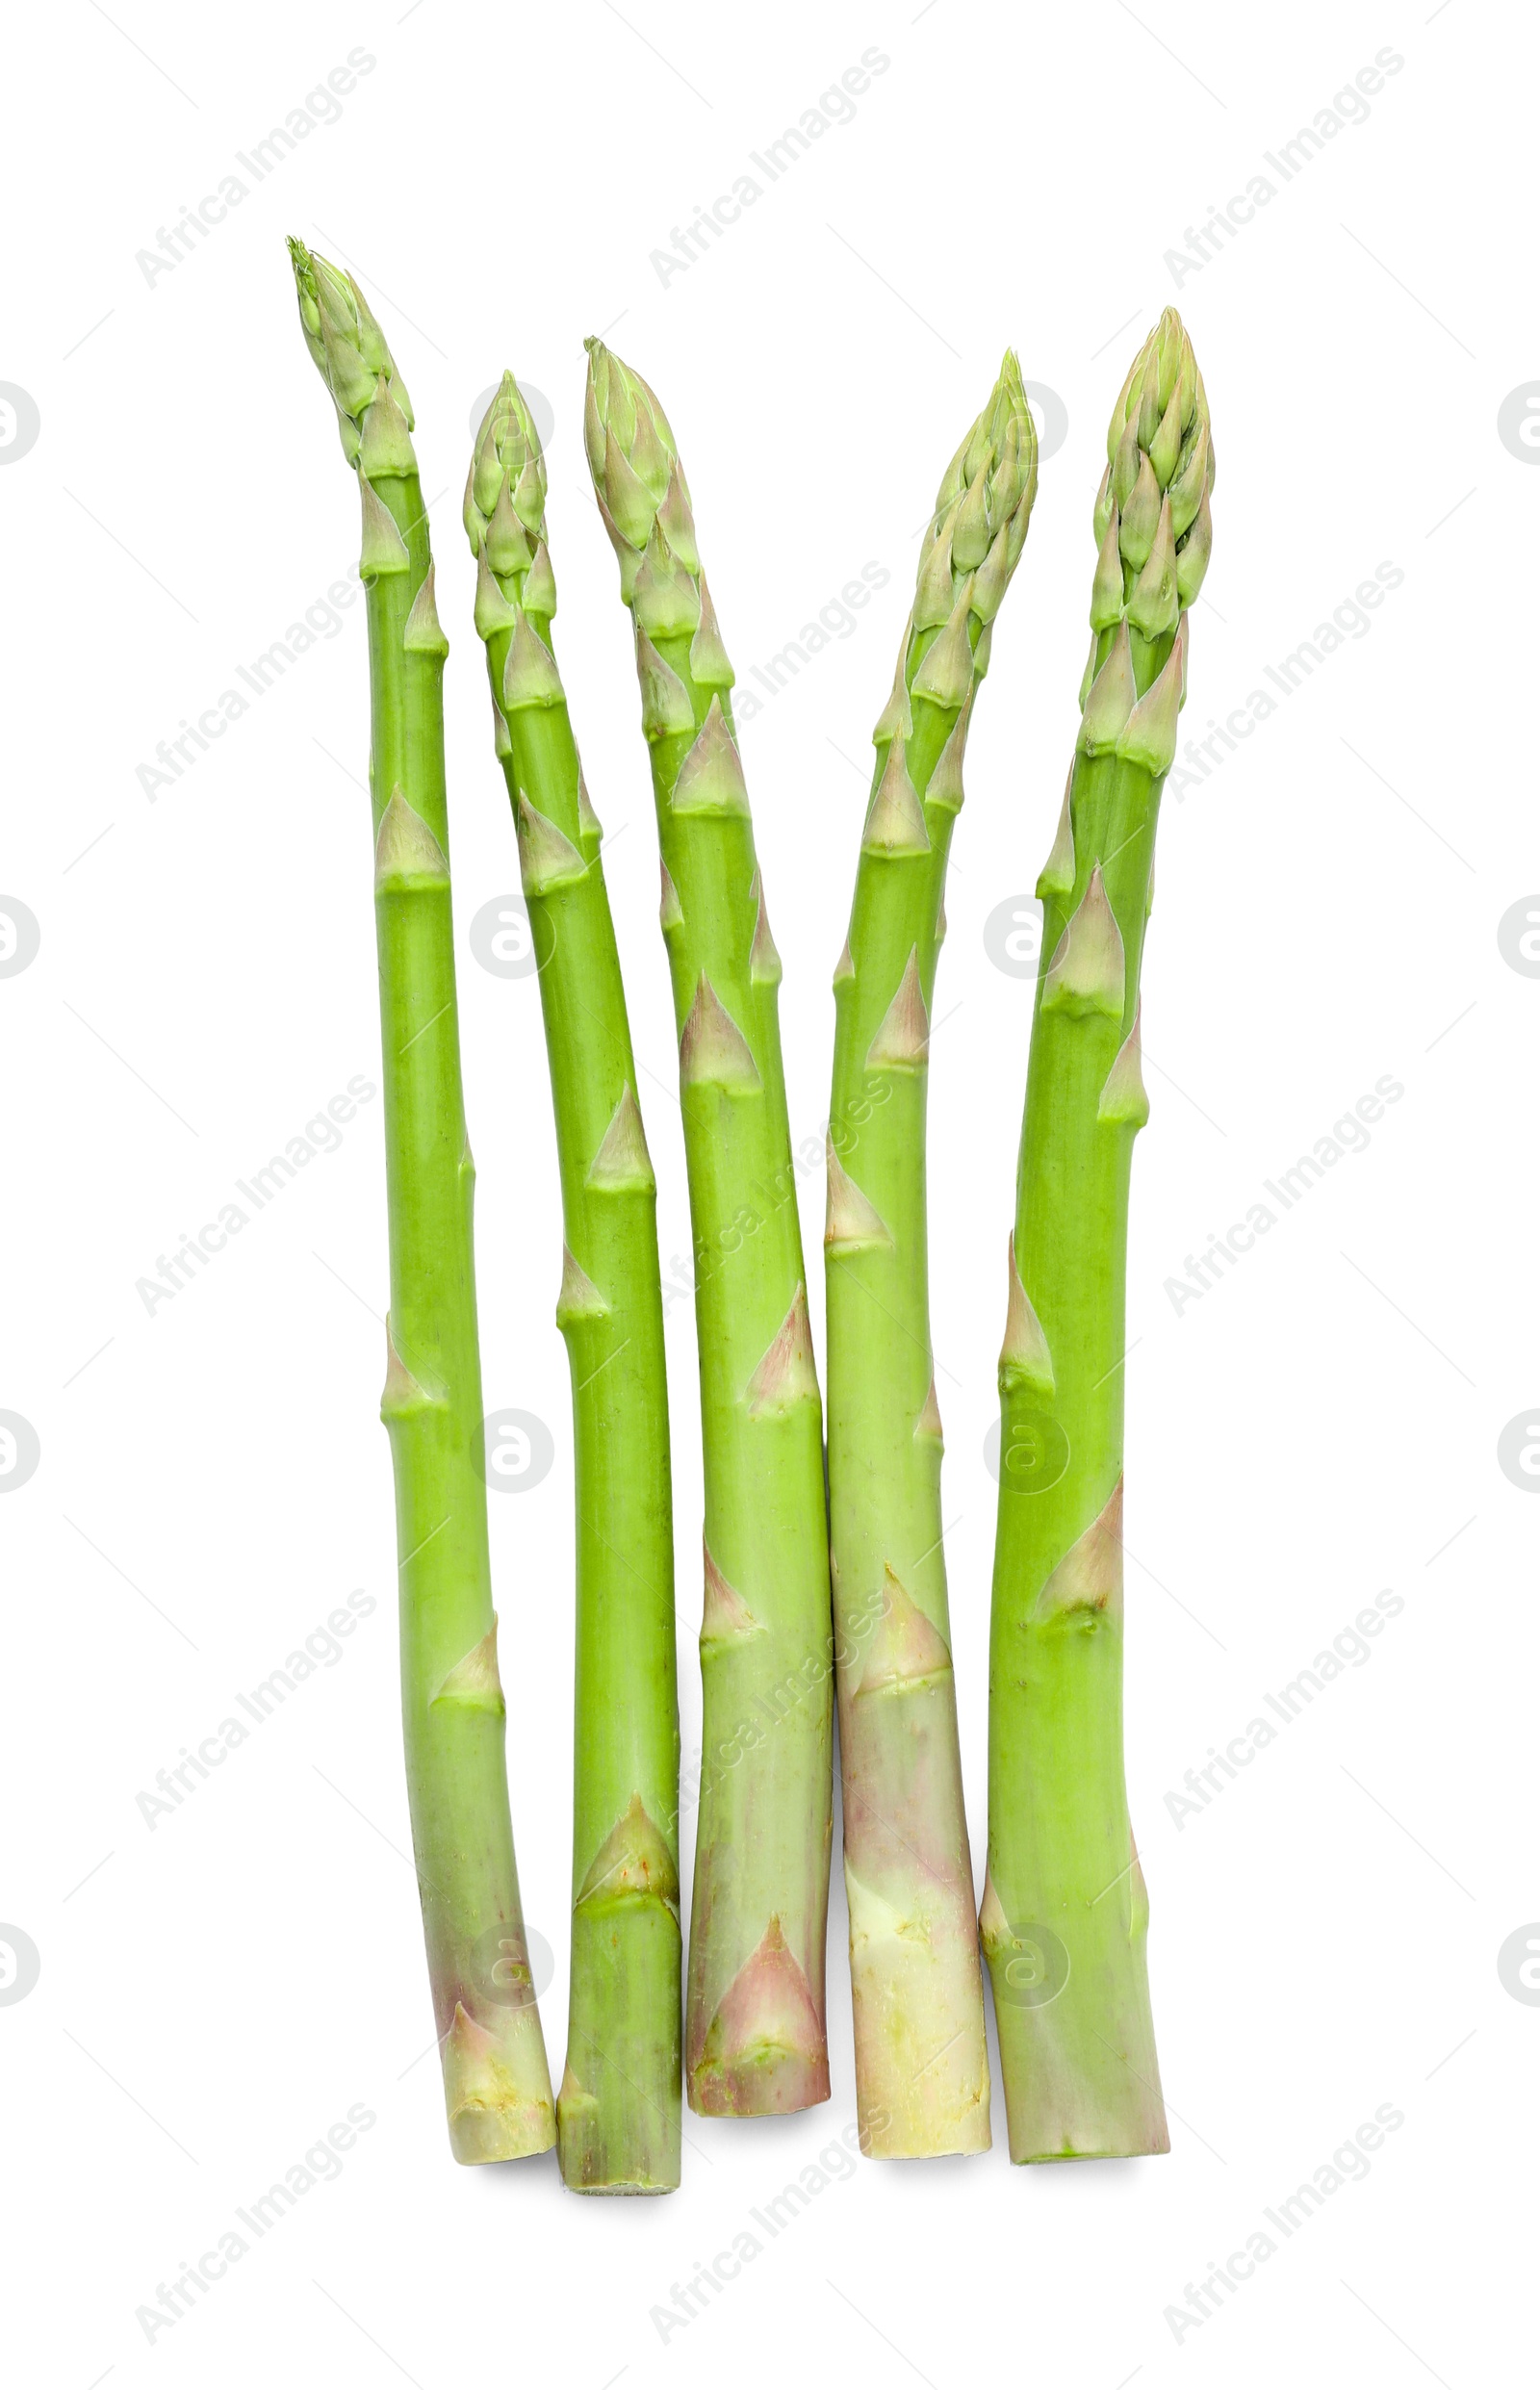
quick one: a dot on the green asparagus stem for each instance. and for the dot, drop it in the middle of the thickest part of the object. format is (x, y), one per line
(619, 2106)
(922, 2069)
(1064, 1909)
(496, 2087)
(755, 2034)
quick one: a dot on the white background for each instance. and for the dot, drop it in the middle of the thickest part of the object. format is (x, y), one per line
(1322, 1424)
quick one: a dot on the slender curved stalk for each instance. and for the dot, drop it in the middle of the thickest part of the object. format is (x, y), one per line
(1064, 1911)
(618, 2105)
(755, 2032)
(922, 2069)
(496, 2088)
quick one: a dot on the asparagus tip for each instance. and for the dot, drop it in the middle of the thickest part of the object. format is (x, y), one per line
(346, 345)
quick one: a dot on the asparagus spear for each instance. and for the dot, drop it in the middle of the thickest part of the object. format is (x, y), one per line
(922, 2069)
(1064, 1909)
(619, 2106)
(496, 2087)
(755, 2034)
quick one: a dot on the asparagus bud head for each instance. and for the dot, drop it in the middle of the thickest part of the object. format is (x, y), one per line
(976, 536)
(992, 479)
(638, 480)
(347, 345)
(1154, 506)
(505, 493)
